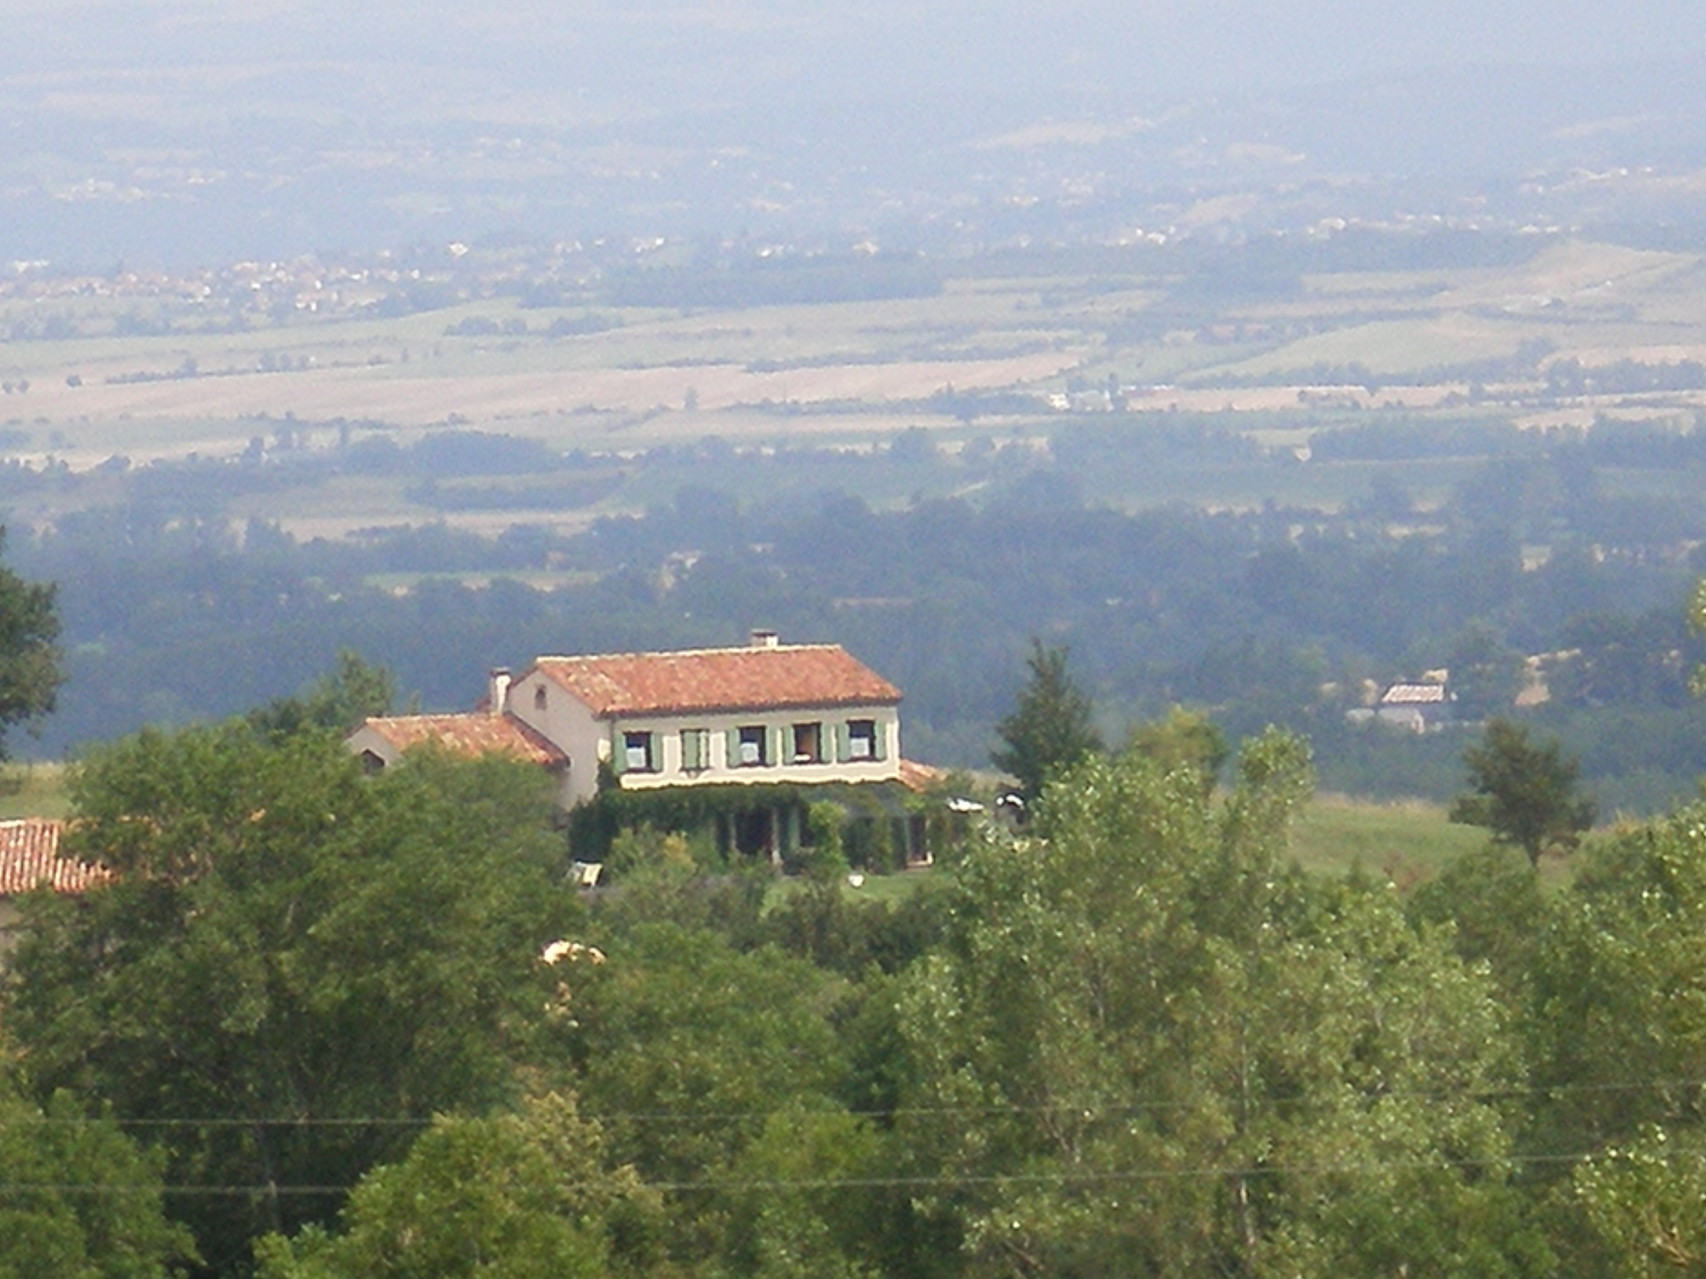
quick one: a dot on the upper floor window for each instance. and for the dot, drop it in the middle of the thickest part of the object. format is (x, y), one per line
(862, 739)
(639, 753)
(808, 743)
(539, 698)
(751, 744)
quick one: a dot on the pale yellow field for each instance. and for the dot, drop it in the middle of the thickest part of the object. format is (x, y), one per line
(663, 376)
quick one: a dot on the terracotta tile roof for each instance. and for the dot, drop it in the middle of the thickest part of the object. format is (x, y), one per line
(719, 679)
(476, 734)
(1414, 695)
(29, 858)
(920, 777)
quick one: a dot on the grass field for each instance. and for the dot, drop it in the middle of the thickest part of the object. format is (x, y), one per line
(1406, 843)
(33, 790)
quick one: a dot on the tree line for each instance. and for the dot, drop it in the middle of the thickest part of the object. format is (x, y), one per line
(323, 1025)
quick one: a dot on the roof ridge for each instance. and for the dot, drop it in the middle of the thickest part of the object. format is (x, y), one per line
(684, 652)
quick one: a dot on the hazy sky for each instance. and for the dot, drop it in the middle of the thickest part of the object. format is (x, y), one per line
(880, 46)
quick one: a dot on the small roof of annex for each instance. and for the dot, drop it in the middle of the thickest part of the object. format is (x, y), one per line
(469, 734)
(756, 677)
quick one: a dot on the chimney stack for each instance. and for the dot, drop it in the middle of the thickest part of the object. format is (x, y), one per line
(497, 693)
(765, 639)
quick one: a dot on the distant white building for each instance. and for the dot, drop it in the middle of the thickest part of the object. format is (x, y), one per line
(1417, 707)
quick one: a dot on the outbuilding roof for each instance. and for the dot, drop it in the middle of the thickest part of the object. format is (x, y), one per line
(1414, 695)
(475, 734)
(29, 859)
(759, 677)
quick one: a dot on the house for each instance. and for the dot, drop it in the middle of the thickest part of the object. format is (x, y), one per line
(29, 859)
(773, 726)
(1417, 707)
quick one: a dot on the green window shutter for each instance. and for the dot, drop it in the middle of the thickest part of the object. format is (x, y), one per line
(654, 751)
(690, 750)
(843, 742)
(732, 759)
(618, 753)
(778, 742)
(878, 741)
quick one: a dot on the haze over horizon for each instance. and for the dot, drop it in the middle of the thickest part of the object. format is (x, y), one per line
(174, 128)
(878, 47)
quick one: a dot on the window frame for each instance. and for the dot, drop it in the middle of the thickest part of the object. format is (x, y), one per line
(751, 734)
(811, 732)
(864, 747)
(646, 743)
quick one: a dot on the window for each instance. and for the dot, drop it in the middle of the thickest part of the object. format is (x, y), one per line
(539, 698)
(695, 749)
(749, 742)
(862, 739)
(638, 754)
(808, 744)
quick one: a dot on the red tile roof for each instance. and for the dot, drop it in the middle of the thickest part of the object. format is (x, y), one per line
(1414, 695)
(477, 734)
(920, 777)
(719, 679)
(29, 858)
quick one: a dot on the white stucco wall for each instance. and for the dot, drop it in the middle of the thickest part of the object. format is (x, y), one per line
(587, 741)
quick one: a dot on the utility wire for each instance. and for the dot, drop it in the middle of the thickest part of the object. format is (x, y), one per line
(922, 1182)
(1088, 1109)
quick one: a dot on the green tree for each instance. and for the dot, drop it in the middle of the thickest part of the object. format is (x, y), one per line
(1147, 1048)
(294, 963)
(1184, 739)
(1645, 1202)
(1618, 1023)
(334, 703)
(1524, 792)
(1050, 729)
(30, 672)
(683, 1048)
(1486, 673)
(78, 1199)
(525, 1195)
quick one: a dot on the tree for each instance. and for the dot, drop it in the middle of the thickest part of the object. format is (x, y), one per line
(1050, 728)
(1184, 739)
(30, 672)
(78, 1198)
(1146, 1048)
(334, 703)
(1645, 1203)
(1486, 673)
(524, 1195)
(1524, 792)
(316, 960)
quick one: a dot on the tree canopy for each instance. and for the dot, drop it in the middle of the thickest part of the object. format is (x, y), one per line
(30, 669)
(1524, 792)
(1050, 728)
(293, 963)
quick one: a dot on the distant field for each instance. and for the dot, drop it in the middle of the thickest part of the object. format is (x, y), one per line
(848, 375)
